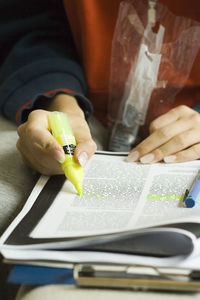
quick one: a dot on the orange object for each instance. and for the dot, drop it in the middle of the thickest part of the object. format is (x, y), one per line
(92, 23)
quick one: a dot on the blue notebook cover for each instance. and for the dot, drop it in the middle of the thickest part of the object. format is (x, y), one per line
(38, 275)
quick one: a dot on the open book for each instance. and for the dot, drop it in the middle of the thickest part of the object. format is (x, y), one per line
(126, 208)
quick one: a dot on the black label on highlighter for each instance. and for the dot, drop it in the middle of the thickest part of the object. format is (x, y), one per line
(69, 149)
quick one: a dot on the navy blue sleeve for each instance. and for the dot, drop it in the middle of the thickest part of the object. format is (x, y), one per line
(197, 107)
(37, 57)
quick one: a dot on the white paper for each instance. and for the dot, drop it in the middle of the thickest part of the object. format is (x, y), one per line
(129, 196)
(90, 257)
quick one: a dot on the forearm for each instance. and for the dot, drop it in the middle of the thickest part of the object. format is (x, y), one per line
(41, 61)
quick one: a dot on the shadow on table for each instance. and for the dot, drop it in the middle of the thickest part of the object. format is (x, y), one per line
(7, 291)
(16, 183)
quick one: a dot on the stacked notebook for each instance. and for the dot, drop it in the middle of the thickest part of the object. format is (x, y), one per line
(129, 229)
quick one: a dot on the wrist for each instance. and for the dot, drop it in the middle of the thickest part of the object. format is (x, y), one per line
(63, 103)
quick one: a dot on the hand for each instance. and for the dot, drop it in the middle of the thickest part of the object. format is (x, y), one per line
(40, 150)
(174, 137)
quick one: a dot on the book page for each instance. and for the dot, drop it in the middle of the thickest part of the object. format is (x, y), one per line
(120, 196)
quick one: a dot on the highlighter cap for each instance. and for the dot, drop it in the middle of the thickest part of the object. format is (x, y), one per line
(190, 202)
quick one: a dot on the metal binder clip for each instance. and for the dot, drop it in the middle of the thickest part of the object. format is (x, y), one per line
(137, 277)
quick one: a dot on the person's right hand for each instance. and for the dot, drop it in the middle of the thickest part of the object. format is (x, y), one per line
(40, 150)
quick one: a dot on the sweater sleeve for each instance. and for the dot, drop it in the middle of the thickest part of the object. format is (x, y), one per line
(38, 59)
(197, 107)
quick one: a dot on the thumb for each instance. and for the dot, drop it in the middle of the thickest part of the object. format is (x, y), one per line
(84, 151)
(85, 145)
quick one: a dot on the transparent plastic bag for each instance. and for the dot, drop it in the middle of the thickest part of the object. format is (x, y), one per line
(146, 65)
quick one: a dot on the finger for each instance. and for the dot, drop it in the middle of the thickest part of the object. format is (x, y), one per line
(38, 159)
(35, 132)
(85, 145)
(159, 137)
(170, 117)
(36, 118)
(176, 144)
(189, 154)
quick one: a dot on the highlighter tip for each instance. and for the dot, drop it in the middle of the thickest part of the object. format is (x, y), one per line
(79, 190)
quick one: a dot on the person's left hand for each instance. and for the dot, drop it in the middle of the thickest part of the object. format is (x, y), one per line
(174, 137)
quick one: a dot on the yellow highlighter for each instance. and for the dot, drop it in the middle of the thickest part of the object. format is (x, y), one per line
(62, 132)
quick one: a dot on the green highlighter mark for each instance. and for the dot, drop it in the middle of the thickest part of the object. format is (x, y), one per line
(168, 196)
(93, 195)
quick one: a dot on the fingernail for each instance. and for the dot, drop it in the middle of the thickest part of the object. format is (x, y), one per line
(147, 158)
(59, 156)
(133, 156)
(83, 158)
(170, 158)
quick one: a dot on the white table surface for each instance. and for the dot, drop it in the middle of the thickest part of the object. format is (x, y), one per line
(16, 180)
